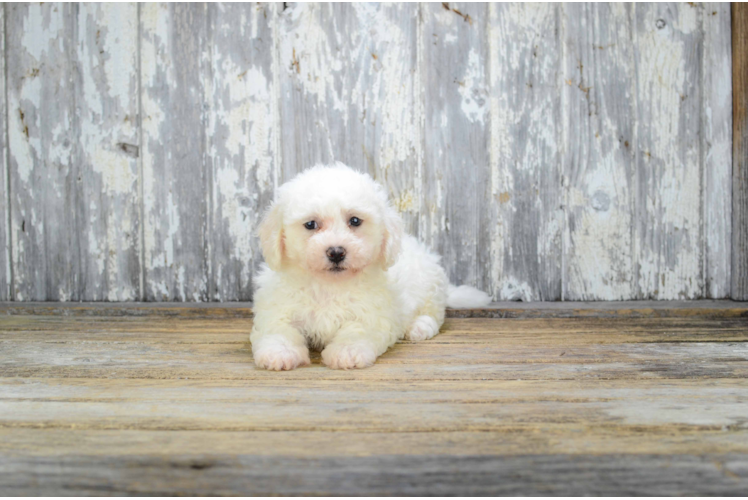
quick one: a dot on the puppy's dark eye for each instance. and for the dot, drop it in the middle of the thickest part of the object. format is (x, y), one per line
(355, 221)
(312, 224)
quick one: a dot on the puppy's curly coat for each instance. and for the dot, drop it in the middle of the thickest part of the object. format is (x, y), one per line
(341, 276)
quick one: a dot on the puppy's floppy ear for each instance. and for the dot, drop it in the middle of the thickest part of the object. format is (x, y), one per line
(393, 235)
(271, 236)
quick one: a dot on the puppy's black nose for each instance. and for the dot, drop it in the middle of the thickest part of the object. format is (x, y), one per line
(336, 254)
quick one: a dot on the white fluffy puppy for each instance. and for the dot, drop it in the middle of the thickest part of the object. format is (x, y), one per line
(340, 275)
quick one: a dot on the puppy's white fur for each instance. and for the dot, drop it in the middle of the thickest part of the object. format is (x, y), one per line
(388, 287)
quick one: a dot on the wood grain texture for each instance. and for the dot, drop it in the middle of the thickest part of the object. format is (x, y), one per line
(456, 137)
(526, 196)
(72, 85)
(106, 100)
(380, 406)
(669, 169)
(515, 441)
(175, 69)
(349, 83)
(739, 284)
(569, 152)
(157, 347)
(244, 474)
(6, 276)
(173, 405)
(242, 153)
(598, 98)
(716, 151)
(42, 141)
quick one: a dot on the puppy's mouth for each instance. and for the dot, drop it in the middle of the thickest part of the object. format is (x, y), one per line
(337, 269)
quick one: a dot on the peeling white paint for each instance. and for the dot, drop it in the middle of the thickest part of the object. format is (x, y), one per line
(243, 147)
(107, 55)
(120, 47)
(40, 21)
(524, 150)
(717, 147)
(472, 89)
(5, 215)
(669, 261)
(308, 51)
(514, 289)
(597, 84)
(355, 77)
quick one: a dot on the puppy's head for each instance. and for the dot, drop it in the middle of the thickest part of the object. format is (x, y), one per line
(331, 221)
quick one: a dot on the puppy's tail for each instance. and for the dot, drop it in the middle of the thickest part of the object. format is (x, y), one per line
(466, 297)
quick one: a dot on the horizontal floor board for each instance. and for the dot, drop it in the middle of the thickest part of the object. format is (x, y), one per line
(354, 406)
(418, 361)
(455, 330)
(563, 439)
(167, 403)
(247, 474)
(665, 369)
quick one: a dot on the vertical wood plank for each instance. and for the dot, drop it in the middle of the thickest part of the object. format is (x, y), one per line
(599, 143)
(526, 240)
(669, 203)
(348, 93)
(456, 137)
(72, 102)
(174, 62)
(241, 141)
(5, 269)
(739, 283)
(42, 140)
(106, 103)
(717, 149)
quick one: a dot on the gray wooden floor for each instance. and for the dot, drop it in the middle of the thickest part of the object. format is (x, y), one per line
(554, 399)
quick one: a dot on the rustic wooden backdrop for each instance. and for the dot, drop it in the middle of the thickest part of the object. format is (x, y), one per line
(549, 152)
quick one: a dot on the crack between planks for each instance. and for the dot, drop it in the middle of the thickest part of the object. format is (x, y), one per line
(635, 206)
(566, 166)
(141, 200)
(703, 248)
(207, 84)
(275, 69)
(513, 429)
(420, 117)
(78, 280)
(9, 218)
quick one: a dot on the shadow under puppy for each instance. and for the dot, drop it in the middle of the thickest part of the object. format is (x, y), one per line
(342, 277)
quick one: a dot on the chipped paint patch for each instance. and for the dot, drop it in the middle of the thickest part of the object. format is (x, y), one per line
(358, 83)
(405, 202)
(599, 158)
(513, 289)
(669, 258)
(526, 239)
(472, 89)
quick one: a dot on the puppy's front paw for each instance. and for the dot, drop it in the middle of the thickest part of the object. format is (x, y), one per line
(424, 327)
(347, 356)
(280, 356)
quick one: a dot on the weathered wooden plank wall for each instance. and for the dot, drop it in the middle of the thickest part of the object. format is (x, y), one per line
(72, 136)
(599, 163)
(526, 163)
(547, 151)
(455, 135)
(716, 141)
(740, 152)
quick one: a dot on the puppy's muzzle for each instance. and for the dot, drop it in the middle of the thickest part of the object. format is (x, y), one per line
(336, 254)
